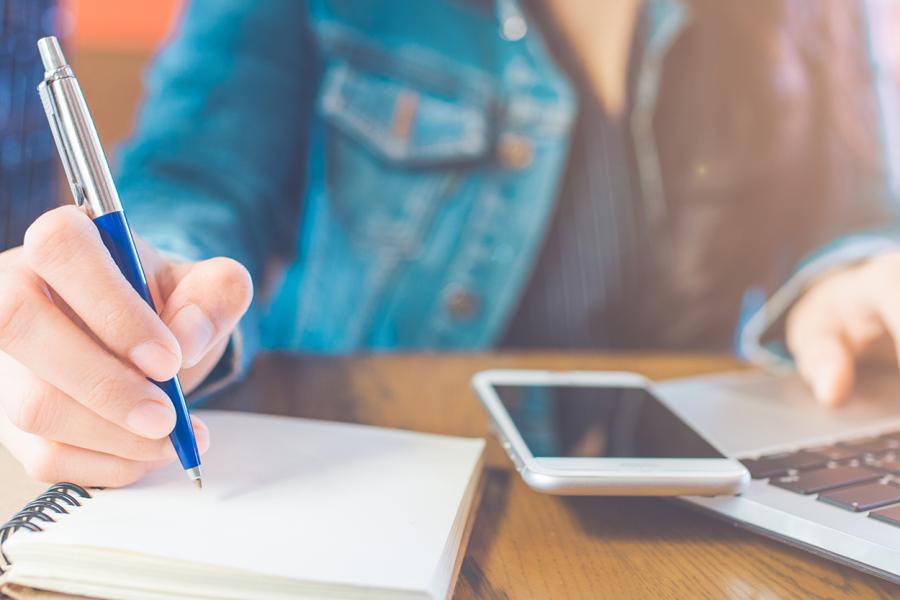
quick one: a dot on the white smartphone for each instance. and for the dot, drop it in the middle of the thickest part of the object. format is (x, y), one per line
(601, 433)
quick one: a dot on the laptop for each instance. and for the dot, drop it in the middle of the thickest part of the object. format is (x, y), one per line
(824, 479)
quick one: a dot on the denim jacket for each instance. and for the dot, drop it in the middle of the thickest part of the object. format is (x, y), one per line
(386, 169)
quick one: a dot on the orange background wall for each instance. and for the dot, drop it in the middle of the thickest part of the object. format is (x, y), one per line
(110, 44)
(133, 26)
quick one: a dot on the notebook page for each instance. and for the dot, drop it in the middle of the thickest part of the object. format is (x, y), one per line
(292, 498)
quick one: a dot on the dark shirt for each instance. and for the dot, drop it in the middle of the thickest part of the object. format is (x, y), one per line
(587, 275)
(28, 159)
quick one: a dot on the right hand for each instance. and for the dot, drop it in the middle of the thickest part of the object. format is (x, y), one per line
(77, 345)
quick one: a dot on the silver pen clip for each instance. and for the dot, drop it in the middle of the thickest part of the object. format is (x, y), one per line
(64, 151)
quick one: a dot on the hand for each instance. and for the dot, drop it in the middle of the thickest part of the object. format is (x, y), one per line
(77, 344)
(848, 316)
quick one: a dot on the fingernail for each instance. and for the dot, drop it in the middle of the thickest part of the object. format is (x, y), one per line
(151, 419)
(194, 332)
(155, 360)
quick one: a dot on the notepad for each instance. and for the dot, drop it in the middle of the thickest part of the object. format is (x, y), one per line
(291, 508)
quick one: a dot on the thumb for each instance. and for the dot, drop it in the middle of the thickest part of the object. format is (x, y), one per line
(206, 304)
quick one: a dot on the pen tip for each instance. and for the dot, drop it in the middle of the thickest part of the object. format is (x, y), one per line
(195, 476)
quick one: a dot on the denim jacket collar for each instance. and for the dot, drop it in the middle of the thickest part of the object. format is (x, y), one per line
(665, 20)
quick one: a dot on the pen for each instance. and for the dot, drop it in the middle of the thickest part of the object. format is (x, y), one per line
(92, 185)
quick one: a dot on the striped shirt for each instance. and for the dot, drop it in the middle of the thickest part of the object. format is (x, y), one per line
(28, 159)
(587, 275)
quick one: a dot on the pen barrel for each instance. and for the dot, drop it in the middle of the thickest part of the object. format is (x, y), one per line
(76, 136)
(116, 236)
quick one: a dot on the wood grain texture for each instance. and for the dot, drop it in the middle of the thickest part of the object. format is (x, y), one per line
(529, 545)
(525, 544)
(16, 489)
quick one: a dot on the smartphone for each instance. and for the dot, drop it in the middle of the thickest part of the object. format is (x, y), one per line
(601, 433)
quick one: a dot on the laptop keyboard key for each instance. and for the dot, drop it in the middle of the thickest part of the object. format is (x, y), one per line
(888, 515)
(861, 498)
(869, 445)
(836, 452)
(887, 463)
(820, 480)
(761, 468)
(773, 465)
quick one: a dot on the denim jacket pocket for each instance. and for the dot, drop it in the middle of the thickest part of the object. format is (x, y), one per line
(395, 153)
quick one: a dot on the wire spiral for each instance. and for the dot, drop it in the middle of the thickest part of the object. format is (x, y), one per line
(57, 500)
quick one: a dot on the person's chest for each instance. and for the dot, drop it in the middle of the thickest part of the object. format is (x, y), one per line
(440, 144)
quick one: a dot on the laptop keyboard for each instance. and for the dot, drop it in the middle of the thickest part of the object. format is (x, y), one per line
(860, 475)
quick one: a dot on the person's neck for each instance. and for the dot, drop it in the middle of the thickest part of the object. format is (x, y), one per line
(599, 34)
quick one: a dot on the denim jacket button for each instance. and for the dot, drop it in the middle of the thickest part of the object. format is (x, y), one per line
(515, 151)
(461, 303)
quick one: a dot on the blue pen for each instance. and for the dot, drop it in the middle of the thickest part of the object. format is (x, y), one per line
(92, 185)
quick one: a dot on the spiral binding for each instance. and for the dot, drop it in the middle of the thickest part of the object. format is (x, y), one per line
(58, 499)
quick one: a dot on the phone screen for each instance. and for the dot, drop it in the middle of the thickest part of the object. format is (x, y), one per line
(594, 422)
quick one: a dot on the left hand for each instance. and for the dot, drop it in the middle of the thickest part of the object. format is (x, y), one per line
(848, 316)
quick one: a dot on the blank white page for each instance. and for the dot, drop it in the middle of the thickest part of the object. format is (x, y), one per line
(311, 500)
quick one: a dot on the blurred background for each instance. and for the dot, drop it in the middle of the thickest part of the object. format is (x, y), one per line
(109, 42)
(109, 48)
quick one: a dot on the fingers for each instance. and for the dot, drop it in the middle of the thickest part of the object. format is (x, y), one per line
(34, 407)
(206, 304)
(50, 461)
(35, 333)
(65, 250)
(192, 377)
(887, 303)
(822, 354)
(76, 342)
(828, 364)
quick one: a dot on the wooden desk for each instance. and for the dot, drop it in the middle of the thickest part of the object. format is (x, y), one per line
(528, 545)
